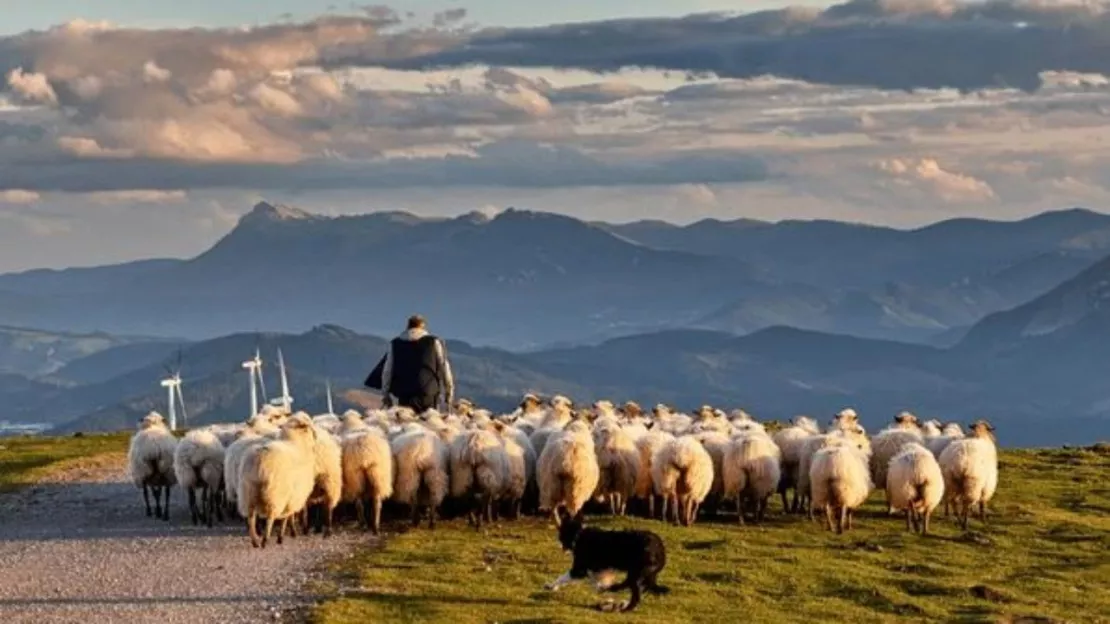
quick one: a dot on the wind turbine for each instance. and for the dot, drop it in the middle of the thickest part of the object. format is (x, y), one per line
(285, 400)
(172, 384)
(331, 407)
(254, 373)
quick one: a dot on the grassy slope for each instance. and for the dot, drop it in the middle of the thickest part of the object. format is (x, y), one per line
(1044, 553)
(25, 460)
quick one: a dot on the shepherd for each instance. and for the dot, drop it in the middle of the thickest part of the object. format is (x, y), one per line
(415, 372)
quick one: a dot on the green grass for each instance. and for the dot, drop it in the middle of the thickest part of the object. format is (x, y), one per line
(1045, 553)
(27, 459)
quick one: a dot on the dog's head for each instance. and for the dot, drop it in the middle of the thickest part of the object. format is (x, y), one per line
(570, 527)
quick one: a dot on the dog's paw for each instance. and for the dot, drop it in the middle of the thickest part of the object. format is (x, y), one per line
(625, 606)
(551, 587)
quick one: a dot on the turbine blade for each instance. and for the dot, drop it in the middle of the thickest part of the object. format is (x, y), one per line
(181, 400)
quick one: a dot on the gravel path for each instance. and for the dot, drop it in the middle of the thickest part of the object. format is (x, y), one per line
(81, 549)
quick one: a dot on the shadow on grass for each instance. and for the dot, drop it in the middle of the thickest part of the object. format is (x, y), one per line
(423, 605)
(871, 598)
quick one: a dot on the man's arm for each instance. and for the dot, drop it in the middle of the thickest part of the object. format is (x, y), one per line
(447, 379)
(387, 370)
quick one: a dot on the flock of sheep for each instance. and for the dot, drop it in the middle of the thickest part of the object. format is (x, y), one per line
(295, 470)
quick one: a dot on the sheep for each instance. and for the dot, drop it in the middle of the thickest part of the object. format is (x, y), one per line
(943, 437)
(915, 485)
(970, 469)
(632, 420)
(840, 482)
(150, 462)
(327, 489)
(553, 423)
(683, 474)
(888, 442)
(618, 460)
(648, 445)
(846, 419)
(791, 442)
(198, 463)
(327, 422)
(520, 478)
(420, 479)
(667, 420)
(854, 434)
(567, 470)
(716, 443)
(258, 430)
(752, 472)
(276, 479)
(367, 472)
(226, 434)
(479, 469)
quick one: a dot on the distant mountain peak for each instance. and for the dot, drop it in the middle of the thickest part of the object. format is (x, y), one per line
(265, 212)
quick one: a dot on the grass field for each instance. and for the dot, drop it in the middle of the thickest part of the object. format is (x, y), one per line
(1044, 556)
(27, 459)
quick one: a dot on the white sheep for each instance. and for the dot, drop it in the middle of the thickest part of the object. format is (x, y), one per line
(752, 471)
(367, 471)
(328, 422)
(276, 479)
(648, 445)
(915, 485)
(327, 489)
(257, 430)
(943, 437)
(840, 482)
(715, 443)
(150, 462)
(970, 469)
(683, 474)
(198, 464)
(479, 471)
(889, 442)
(567, 470)
(814, 443)
(420, 464)
(618, 461)
(520, 482)
(791, 442)
(557, 418)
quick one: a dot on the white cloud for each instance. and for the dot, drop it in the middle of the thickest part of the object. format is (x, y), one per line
(136, 196)
(948, 185)
(152, 73)
(19, 196)
(32, 87)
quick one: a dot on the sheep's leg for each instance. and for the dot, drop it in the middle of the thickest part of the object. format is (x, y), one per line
(828, 518)
(740, 509)
(982, 512)
(252, 528)
(761, 513)
(415, 514)
(909, 520)
(157, 490)
(489, 508)
(925, 521)
(695, 509)
(146, 499)
(166, 506)
(651, 506)
(517, 503)
(327, 511)
(663, 504)
(360, 513)
(785, 508)
(193, 505)
(431, 517)
(841, 520)
(376, 528)
(219, 499)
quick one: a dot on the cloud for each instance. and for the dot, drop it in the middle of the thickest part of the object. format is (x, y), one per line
(948, 185)
(136, 196)
(32, 87)
(19, 196)
(891, 44)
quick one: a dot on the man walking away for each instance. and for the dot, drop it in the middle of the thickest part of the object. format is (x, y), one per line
(416, 370)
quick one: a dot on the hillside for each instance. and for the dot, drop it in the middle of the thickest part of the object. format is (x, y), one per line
(36, 353)
(775, 373)
(532, 280)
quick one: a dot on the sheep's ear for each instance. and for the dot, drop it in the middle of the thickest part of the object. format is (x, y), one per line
(649, 424)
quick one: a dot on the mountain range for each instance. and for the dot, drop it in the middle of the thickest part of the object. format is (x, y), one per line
(964, 319)
(525, 280)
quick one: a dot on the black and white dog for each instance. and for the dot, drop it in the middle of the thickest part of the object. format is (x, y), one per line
(599, 553)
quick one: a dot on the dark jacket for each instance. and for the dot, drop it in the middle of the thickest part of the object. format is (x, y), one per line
(416, 371)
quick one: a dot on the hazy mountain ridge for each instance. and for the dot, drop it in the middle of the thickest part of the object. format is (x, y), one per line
(525, 275)
(775, 373)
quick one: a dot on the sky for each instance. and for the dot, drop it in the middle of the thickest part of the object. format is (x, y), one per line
(145, 128)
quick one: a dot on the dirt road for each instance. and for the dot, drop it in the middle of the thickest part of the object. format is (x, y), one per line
(81, 549)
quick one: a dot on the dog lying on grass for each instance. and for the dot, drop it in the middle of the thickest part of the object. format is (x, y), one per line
(599, 554)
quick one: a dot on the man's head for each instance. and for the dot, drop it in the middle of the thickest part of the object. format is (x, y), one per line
(416, 322)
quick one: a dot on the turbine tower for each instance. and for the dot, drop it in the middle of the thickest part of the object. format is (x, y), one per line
(331, 407)
(172, 384)
(252, 366)
(286, 400)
